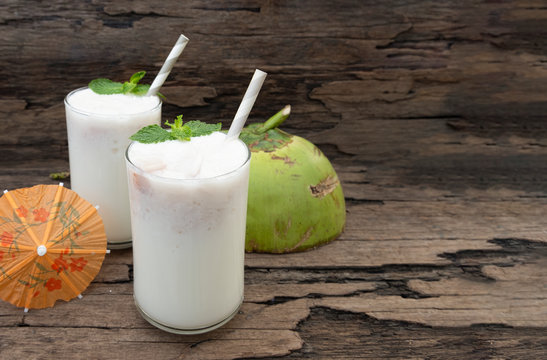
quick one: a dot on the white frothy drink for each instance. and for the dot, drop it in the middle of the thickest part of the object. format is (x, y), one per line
(99, 127)
(188, 212)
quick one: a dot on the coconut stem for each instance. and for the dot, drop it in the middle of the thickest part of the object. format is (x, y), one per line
(275, 120)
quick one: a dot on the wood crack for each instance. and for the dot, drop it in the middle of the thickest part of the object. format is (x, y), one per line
(284, 299)
(230, 9)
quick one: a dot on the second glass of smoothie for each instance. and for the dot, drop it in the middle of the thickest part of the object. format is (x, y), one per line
(99, 127)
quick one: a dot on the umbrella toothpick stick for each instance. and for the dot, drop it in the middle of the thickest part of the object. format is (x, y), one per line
(51, 215)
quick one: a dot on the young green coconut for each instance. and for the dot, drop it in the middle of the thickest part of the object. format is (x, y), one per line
(295, 198)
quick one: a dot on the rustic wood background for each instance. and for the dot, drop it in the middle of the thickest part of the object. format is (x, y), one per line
(432, 112)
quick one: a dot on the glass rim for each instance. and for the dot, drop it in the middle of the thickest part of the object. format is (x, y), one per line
(190, 180)
(88, 113)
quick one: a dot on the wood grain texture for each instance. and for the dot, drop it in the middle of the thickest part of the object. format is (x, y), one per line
(432, 113)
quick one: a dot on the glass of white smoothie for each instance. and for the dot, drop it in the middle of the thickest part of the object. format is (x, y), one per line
(98, 129)
(188, 212)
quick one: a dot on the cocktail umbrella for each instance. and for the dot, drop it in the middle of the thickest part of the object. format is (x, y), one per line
(52, 245)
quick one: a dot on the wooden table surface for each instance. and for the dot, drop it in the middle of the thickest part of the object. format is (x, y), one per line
(432, 112)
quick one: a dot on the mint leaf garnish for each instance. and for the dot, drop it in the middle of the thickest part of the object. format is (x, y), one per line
(107, 87)
(199, 128)
(128, 87)
(63, 175)
(136, 77)
(151, 134)
(141, 89)
(179, 131)
(183, 133)
(177, 123)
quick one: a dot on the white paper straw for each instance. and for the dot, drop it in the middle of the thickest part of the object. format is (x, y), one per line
(246, 104)
(167, 65)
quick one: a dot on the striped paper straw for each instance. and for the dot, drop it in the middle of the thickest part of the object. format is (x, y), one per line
(167, 65)
(247, 103)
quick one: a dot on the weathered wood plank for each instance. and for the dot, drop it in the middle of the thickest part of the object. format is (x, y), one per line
(449, 303)
(82, 343)
(447, 220)
(514, 301)
(330, 334)
(409, 70)
(369, 254)
(515, 296)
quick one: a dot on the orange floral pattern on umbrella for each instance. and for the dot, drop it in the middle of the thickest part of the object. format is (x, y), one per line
(52, 245)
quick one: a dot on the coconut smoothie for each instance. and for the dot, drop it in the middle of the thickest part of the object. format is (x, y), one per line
(188, 212)
(98, 129)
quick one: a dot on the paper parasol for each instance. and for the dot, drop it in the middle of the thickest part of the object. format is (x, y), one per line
(52, 245)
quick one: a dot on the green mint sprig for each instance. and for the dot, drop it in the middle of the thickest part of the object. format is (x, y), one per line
(107, 87)
(155, 134)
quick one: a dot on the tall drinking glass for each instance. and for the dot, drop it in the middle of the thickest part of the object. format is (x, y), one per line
(188, 234)
(99, 127)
